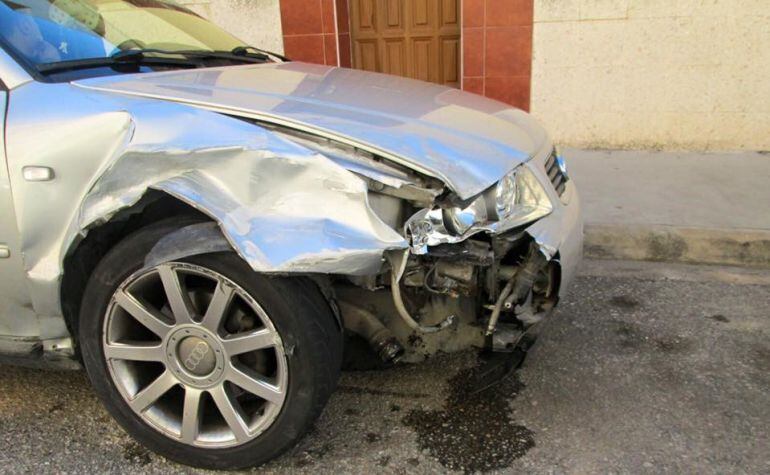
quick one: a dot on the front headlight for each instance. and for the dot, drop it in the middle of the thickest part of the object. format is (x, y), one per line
(517, 199)
(520, 198)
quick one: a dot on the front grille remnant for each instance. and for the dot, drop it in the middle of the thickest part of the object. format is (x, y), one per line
(555, 174)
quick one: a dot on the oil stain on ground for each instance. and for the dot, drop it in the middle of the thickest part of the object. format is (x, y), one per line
(474, 432)
(632, 336)
(624, 301)
(135, 453)
(719, 318)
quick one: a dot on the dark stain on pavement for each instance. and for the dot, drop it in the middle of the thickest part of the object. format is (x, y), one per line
(383, 461)
(624, 301)
(133, 452)
(628, 334)
(672, 344)
(380, 392)
(761, 358)
(633, 336)
(474, 431)
(312, 455)
(719, 318)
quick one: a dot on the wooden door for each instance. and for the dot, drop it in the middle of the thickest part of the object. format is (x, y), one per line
(414, 38)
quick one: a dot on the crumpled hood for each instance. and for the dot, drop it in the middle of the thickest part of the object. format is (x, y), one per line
(467, 141)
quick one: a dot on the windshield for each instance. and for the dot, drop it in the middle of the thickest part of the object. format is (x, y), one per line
(45, 32)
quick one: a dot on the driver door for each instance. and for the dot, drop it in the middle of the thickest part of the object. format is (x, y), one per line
(18, 324)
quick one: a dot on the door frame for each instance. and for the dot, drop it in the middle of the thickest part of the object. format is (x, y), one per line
(323, 36)
(12, 75)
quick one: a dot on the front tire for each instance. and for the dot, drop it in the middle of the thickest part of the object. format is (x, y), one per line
(203, 360)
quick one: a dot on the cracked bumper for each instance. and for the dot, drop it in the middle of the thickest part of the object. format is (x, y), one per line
(560, 234)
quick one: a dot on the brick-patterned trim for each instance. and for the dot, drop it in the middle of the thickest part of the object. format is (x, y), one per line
(497, 49)
(496, 42)
(310, 30)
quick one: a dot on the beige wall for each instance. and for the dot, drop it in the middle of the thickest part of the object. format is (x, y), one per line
(669, 74)
(257, 22)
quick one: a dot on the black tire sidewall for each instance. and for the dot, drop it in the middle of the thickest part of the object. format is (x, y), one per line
(299, 317)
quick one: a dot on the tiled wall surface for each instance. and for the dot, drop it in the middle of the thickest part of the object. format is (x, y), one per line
(310, 30)
(497, 49)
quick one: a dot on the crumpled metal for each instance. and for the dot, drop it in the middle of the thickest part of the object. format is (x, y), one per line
(282, 207)
(465, 140)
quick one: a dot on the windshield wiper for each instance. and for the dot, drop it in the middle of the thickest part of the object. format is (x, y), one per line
(244, 50)
(123, 58)
(151, 56)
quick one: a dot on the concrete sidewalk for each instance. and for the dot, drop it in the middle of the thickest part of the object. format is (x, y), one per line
(709, 208)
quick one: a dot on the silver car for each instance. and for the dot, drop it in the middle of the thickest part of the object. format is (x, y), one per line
(209, 229)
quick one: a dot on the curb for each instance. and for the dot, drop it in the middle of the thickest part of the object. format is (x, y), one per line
(661, 243)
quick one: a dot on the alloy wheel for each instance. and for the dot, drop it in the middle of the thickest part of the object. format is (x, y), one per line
(195, 356)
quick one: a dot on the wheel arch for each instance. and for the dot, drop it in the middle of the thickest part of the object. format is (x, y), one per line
(198, 232)
(83, 256)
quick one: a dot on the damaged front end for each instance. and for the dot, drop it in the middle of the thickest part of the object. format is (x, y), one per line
(414, 263)
(478, 272)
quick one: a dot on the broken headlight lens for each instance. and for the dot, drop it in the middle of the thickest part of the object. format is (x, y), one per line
(520, 198)
(505, 195)
(517, 199)
(460, 220)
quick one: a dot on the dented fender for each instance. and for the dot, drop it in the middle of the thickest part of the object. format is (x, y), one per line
(280, 206)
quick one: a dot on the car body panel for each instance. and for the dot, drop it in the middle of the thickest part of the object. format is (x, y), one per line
(465, 140)
(281, 206)
(11, 74)
(19, 327)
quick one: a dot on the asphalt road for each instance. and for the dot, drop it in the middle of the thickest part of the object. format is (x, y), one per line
(645, 368)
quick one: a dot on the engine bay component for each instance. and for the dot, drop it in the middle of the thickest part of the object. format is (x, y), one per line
(398, 262)
(519, 286)
(364, 324)
(506, 338)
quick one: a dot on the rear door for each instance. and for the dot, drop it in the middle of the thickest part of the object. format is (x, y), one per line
(18, 323)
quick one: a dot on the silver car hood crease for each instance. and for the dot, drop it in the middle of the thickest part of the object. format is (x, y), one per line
(465, 140)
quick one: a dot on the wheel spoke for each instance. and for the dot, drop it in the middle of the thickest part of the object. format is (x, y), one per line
(255, 385)
(153, 392)
(230, 413)
(133, 352)
(178, 299)
(142, 314)
(220, 302)
(251, 342)
(191, 415)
